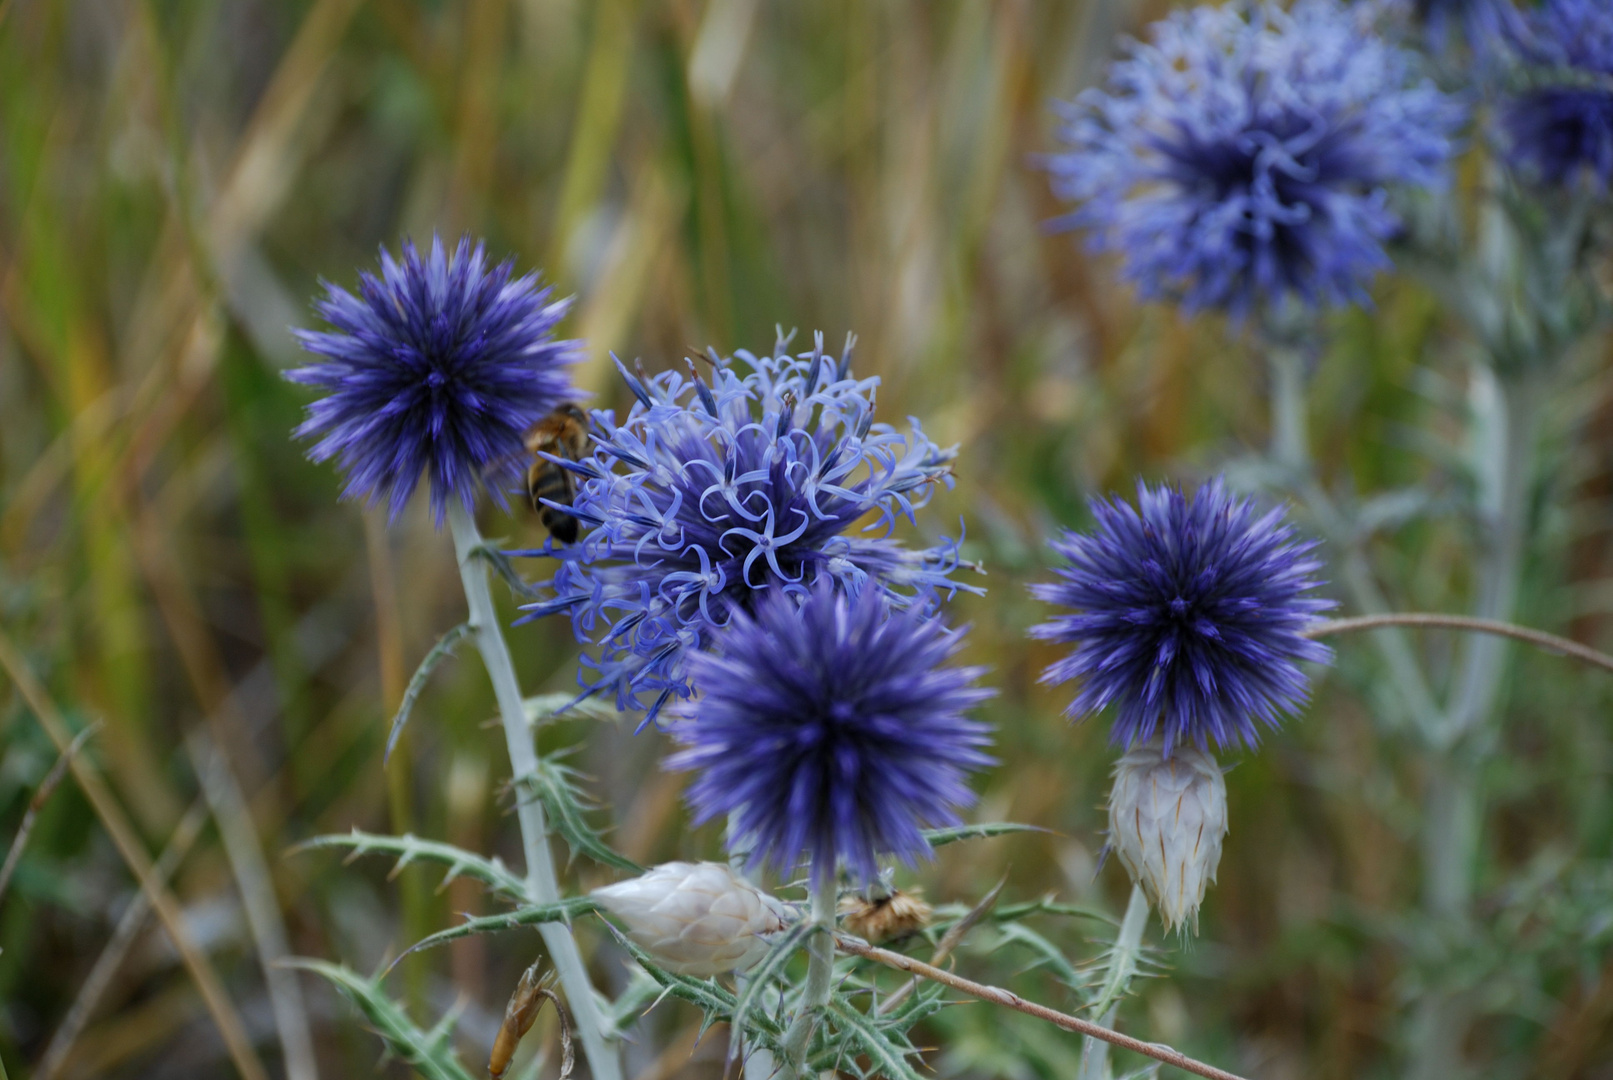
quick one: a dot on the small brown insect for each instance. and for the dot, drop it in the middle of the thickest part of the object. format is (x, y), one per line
(564, 434)
(519, 1016)
(876, 918)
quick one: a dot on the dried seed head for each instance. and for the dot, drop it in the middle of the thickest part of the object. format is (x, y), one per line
(1167, 818)
(884, 914)
(695, 918)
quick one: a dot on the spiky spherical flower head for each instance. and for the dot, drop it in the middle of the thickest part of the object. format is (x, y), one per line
(438, 366)
(1167, 818)
(1243, 154)
(711, 495)
(833, 728)
(1489, 27)
(699, 919)
(1560, 130)
(1189, 617)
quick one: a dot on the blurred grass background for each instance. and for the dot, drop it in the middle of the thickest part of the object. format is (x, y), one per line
(175, 177)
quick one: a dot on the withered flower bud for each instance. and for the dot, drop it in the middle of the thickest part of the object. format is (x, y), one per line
(697, 919)
(883, 914)
(1167, 818)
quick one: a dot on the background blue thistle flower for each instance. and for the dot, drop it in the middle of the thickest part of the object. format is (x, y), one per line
(834, 728)
(1243, 154)
(710, 494)
(1488, 26)
(1188, 616)
(1561, 128)
(438, 366)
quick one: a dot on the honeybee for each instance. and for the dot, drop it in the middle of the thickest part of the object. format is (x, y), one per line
(563, 433)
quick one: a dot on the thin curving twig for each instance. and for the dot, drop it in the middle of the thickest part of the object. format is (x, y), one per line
(998, 996)
(1538, 638)
(46, 786)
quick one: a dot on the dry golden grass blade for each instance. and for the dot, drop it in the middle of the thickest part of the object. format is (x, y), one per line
(223, 1011)
(63, 1041)
(253, 881)
(41, 794)
(599, 117)
(630, 262)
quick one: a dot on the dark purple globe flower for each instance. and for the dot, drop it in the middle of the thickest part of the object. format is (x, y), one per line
(710, 495)
(438, 366)
(1561, 128)
(1188, 616)
(1244, 154)
(834, 729)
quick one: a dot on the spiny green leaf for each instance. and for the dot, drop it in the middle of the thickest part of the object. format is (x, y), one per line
(490, 553)
(553, 785)
(1049, 952)
(559, 911)
(889, 1056)
(408, 848)
(568, 707)
(439, 652)
(1047, 906)
(778, 954)
(712, 1000)
(428, 1052)
(938, 837)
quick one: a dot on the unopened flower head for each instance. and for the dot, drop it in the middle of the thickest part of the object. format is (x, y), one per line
(1244, 154)
(713, 494)
(1188, 617)
(1167, 818)
(833, 728)
(697, 919)
(438, 366)
(1560, 130)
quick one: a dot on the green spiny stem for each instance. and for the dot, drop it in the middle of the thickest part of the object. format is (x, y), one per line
(1095, 1052)
(542, 885)
(820, 971)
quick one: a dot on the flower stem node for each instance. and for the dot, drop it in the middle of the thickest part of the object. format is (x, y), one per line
(1167, 819)
(697, 919)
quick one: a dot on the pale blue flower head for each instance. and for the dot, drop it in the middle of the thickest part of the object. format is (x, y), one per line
(1244, 154)
(1559, 131)
(764, 474)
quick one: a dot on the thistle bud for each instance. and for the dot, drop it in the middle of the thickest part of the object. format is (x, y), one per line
(880, 914)
(1167, 818)
(696, 919)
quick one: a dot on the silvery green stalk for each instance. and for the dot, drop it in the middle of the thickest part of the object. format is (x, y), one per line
(820, 970)
(541, 884)
(699, 919)
(1122, 966)
(1167, 818)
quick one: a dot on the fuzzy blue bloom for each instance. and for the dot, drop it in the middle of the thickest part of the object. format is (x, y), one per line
(1561, 129)
(1488, 26)
(710, 495)
(834, 728)
(438, 366)
(1188, 616)
(1244, 154)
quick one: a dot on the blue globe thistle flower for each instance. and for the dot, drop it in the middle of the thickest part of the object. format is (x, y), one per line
(1561, 129)
(1488, 26)
(439, 366)
(710, 495)
(1188, 616)
(834, 729)
(1243, 155)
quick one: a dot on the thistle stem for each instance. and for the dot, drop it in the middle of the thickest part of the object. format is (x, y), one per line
(1551, 643)
(820, 970)
(1094, 1051)
(996, 995)
(542, 887)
